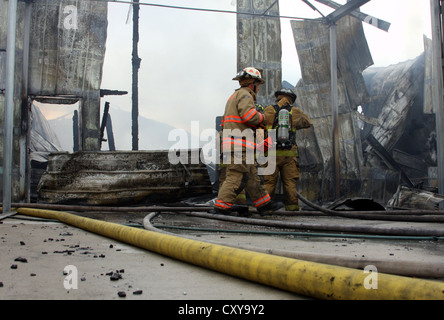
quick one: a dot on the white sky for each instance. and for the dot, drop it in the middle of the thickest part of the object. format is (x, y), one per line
(189, 57)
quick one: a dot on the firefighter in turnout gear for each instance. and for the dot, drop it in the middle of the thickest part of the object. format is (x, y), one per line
(285, 119)
(239, 122)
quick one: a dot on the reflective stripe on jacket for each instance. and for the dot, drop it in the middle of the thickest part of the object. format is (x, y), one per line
(237, 142)
(241, 119)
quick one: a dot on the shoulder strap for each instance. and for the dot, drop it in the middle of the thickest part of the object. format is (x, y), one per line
(276, 116)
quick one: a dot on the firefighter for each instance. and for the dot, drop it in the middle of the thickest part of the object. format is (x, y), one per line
(241, 198)
(286, 156)
(239, 123)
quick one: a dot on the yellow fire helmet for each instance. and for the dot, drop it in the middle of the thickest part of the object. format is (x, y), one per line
(249, 73)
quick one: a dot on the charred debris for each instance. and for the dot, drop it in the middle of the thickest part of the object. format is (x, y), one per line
(387, 134)
(387, 130)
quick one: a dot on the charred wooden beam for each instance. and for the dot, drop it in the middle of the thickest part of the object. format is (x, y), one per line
(75, 131)
(110, 134)
(104, 121)
(108, 92)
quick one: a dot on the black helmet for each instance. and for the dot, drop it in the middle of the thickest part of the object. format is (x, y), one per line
(286, 92)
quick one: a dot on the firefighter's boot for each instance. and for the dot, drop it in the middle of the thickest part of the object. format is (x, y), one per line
(269, 208)
(241, 210)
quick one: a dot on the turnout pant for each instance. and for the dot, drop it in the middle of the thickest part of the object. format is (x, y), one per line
(241, 198)
(239, 176)
(287, 166)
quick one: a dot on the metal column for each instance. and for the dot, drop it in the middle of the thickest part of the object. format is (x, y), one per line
(334, 105)
(9, 107)
(437, 87)
(330, 21)
(135, 85)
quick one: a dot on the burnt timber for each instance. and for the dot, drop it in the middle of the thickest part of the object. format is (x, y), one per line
(122, 177)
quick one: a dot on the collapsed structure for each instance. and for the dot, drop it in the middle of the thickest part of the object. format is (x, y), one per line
(387, 135)
(374, 156)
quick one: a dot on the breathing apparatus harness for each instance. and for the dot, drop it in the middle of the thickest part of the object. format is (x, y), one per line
(285, 137)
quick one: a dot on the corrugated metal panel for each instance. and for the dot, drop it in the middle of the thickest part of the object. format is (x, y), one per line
(259, 44)
(314, 96)
(67, 47)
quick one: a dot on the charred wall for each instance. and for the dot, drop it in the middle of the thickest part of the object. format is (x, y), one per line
(67, 49)
(64, 65)
(259, 44)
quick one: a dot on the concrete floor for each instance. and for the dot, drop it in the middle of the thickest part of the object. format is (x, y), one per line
(49, 247)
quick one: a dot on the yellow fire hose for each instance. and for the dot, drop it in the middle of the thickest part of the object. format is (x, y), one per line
(311, 279)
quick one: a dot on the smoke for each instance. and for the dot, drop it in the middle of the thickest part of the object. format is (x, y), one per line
(410, 20)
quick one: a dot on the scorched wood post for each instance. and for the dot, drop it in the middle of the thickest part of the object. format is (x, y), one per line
(136, 65)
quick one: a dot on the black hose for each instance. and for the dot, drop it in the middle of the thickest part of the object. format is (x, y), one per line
(264, 222)
(406, 215)
(339, 227)
(409, 268)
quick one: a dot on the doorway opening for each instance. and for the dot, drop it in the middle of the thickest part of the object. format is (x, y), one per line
(54, 128)
(59, 124)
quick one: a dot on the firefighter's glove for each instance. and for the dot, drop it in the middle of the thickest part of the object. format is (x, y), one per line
(261, 125)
